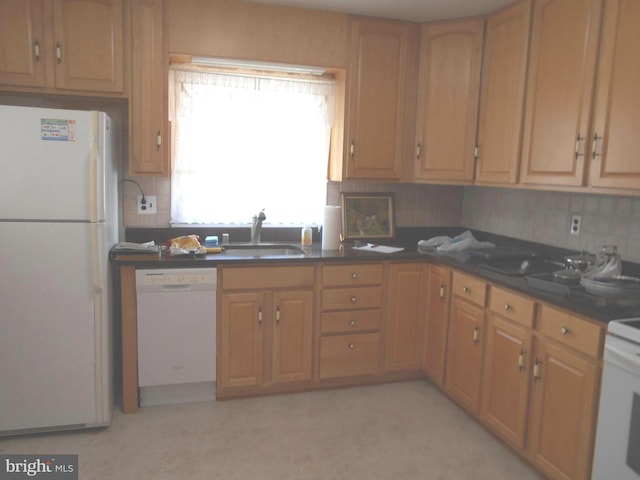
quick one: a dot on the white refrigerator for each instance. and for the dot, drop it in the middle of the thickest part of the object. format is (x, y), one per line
(58, 220)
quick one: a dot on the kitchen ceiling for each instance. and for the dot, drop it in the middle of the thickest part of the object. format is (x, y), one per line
(411, 10)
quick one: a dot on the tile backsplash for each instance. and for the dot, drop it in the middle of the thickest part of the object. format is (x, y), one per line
(545, 217)
(538, 216)
(415, 205)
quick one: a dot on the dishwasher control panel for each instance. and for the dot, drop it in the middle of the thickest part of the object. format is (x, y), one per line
(153, 280)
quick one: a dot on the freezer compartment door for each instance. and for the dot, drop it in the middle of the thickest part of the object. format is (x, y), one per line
(53, 337)
(53, 164)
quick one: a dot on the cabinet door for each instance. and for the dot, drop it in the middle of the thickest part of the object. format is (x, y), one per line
(464, 353)
(615, 141)
(559, 91)
(562, 419)
(435, 345)
(507, 378)
(448, 91)
(504, 71)
(89, 48)
(21, 43)
(404, 332)
(378, 76)
(149, 97)
(241, 340)
(292, 336)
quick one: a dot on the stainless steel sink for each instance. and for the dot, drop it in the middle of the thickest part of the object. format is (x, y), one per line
(263, 250)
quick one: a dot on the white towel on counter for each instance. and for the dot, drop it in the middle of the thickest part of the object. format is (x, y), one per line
(447, 244)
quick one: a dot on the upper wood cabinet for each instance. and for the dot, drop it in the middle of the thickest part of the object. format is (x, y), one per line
(70, 45)
(148, 106)
(21, 43)
(564, 47)
(448, 92)
(376, 100)
(504, 72)
(615, 143)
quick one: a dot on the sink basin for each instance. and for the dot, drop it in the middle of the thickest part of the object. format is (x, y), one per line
(263, 250)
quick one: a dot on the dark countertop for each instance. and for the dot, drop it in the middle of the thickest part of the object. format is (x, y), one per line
(408, 239)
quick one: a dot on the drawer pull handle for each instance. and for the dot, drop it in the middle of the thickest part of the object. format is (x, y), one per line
(278, 315)
(536, 370)
(466, 289)
(508, 307)
(260, 316)
(36, 51)
(521, 360)
(354, 275)
(476, 335)
(351, 346)
(442, 287)
(354, 299)
(352, 323)
(564, 330)
(58, 52)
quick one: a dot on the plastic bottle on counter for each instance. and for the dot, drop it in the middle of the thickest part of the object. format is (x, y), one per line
(306, 235)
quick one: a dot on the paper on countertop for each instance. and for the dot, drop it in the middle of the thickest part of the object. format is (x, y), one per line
(138, 247)
(447, 244)
(370, 247)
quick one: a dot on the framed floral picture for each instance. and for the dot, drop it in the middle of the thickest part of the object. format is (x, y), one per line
(367, 216)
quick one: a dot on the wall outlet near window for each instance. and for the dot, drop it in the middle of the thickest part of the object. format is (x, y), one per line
(149, 207)
(574, 228)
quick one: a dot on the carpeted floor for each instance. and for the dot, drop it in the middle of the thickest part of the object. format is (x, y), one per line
(394, 431)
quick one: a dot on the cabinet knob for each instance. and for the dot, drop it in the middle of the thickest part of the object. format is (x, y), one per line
(466, 289)
(354, 275)
(564, 330)
(352, 323)
(508, 307)
(351, 346)
(354, 299)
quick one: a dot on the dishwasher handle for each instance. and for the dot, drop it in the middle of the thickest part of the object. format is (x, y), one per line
(177, 287)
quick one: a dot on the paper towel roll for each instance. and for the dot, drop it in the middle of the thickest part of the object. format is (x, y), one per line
(331, 228)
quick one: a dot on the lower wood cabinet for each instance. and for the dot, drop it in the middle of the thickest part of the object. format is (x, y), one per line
(405, 317)
(266, 331)
(565, 392)
(507, 379)
(351, 320)
(438, 292)
(507, 364)
(465, 342)
(349, 355)
(527, 370)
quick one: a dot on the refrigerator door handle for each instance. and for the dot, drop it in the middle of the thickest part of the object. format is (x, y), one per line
(96, 194)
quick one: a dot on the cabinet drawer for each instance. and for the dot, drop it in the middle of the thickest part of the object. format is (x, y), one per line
(469, 288)
(571, 331)
(351, 321)
(349, 355)
(354, 274)
(513, 306)
(351, 298)
(243, 278)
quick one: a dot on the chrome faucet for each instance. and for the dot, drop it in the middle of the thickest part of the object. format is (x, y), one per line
(256, 226)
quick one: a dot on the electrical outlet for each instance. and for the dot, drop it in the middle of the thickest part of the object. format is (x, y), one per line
(149, 207)
(574, 228)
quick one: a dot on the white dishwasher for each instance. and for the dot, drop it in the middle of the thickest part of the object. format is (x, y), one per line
(176, 311)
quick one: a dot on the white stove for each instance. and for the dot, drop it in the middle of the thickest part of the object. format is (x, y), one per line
(617, 452)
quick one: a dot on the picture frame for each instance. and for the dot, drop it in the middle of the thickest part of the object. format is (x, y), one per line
(367, 216)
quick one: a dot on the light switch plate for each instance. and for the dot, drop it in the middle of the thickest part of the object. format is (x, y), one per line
(149, 207)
